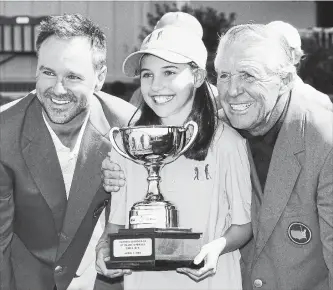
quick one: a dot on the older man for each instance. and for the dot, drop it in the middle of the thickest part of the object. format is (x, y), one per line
(51, 148)
(291, 139)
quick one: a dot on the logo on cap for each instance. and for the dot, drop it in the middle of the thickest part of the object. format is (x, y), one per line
(299, 233)
(156, 37)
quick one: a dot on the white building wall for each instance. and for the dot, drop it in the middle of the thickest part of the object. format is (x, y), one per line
(122, 22)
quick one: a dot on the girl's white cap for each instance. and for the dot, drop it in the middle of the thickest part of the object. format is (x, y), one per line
(177, 38)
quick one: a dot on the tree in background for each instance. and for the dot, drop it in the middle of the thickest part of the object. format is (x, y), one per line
(317, 66)
(213, 23)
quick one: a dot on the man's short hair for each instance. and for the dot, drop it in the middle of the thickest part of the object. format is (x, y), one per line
(72, 25)
(257, 34)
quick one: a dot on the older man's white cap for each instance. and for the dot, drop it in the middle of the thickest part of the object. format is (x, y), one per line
(292, 36)
(288, 31)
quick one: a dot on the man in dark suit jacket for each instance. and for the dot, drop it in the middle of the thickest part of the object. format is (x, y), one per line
(52, 146)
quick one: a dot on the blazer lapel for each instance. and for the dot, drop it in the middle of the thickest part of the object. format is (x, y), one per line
(87, 176)
(41, 158)
(282, 175)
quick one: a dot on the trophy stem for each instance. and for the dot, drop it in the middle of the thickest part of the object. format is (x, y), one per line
(154, 193)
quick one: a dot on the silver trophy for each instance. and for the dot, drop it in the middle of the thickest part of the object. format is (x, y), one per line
(153, 218)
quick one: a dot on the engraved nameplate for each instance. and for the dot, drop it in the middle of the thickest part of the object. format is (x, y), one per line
(132, 247)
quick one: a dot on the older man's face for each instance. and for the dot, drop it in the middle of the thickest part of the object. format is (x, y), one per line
(248, 91)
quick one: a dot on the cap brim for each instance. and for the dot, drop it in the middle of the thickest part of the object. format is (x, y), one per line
(131, 65)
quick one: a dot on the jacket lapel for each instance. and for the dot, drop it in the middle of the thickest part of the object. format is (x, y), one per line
(87, 176)
(41, 158)
(282, 175)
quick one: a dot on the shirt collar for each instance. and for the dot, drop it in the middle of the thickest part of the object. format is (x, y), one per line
(58, 144)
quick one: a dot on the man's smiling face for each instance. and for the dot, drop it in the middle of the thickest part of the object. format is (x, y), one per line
(66, 78)
(248, 90)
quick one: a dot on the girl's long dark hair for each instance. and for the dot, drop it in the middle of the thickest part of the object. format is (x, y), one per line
(203, 113)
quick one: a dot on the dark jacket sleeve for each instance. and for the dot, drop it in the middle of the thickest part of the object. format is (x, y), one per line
(117, 111)
(6, 229)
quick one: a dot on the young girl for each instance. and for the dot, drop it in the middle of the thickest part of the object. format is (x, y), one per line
(209, 185)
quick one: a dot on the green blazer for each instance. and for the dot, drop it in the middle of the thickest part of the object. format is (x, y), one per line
(42, 243)
(292, 216)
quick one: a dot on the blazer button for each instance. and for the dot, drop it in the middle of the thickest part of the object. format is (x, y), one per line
(58, 269)
(257, 283)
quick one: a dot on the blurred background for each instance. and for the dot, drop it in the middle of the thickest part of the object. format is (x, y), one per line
(126, 23)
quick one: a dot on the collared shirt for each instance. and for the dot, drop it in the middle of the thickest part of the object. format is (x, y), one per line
(67, 158)
(86, 271)
(262, 146)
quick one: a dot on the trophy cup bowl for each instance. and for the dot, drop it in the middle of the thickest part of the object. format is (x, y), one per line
(153, 239)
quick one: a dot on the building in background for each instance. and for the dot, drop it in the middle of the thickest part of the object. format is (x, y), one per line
(122, 22)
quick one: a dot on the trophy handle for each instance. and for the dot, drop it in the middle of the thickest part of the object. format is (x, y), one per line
(194, 135)
(116, 147)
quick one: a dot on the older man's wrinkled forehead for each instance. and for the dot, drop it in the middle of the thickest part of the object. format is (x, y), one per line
(253, 41)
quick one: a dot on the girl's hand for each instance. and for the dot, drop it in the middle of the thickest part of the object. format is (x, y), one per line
(210, 253)
(102, 256)
(112, 176)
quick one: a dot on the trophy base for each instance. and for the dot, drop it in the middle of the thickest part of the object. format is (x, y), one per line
(154, 249)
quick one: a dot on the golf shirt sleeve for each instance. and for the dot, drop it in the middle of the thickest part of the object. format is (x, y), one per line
(238, 182)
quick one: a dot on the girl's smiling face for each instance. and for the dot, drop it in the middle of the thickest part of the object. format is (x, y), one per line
(168, 88)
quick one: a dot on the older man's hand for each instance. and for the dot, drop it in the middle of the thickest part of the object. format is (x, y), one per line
(112, 175)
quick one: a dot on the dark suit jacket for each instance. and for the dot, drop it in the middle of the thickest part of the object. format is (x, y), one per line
(41, 243)
(292, 218)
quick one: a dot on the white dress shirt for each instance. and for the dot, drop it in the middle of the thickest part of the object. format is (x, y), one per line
(67, 158)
